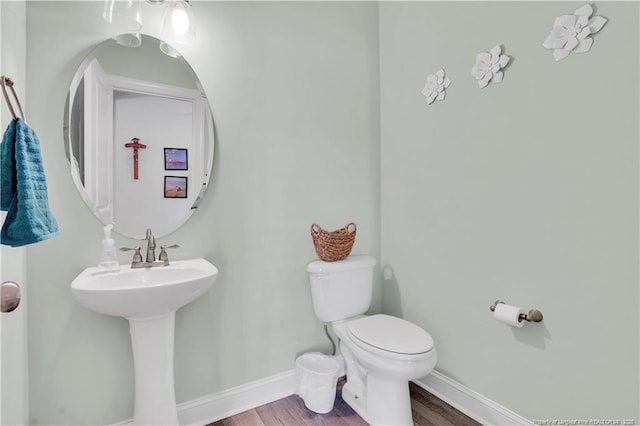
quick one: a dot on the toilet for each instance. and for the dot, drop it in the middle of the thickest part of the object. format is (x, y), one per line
(381, 352)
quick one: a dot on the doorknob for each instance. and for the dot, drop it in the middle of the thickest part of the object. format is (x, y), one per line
(9, 296)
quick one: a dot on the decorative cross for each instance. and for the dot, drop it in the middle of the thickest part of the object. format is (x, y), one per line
(135, 144)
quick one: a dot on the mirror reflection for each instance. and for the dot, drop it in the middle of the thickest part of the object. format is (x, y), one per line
(138, 137)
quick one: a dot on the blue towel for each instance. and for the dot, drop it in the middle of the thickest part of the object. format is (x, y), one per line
(24, 188)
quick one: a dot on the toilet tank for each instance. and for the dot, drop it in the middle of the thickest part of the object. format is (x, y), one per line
(341, 289)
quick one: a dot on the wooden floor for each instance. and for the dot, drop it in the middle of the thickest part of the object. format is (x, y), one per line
(290, 411)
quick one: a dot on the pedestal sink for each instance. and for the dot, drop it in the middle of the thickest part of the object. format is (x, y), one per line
(149, 299)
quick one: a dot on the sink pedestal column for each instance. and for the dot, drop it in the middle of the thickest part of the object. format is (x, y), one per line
(155, 397)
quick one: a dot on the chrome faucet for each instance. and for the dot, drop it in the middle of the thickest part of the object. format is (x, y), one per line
(150, 262)
(151, 247)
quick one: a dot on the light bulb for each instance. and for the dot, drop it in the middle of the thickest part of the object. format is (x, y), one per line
(180, 21)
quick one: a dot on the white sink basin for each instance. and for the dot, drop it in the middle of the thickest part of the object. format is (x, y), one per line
(149, 299)
(145, 292)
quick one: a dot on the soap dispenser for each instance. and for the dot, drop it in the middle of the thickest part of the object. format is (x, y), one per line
(109, 258)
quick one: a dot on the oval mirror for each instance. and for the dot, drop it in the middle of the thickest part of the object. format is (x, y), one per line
(139, 136)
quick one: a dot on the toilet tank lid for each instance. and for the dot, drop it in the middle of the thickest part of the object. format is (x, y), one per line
(348, 264)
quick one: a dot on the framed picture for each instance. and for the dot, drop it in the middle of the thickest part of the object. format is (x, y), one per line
(175, 186)
(176, 159)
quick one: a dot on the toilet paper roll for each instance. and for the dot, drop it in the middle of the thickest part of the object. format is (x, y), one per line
(508, 314)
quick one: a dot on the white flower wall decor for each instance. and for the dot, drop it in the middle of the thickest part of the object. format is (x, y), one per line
(435, 87)
(572, 33)
(489, 66)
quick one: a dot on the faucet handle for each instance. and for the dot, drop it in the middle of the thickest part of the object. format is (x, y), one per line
(163, 252)
(137, 257)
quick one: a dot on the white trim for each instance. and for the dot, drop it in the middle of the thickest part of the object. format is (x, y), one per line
(469, 402)
(241, 398)
(220, 405)
(152, 88)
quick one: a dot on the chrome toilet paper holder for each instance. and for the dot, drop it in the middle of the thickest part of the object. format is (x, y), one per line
(533, 315)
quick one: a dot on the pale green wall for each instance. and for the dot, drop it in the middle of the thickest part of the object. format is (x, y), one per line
(293, 89)
(14, 399)
(525, 191)
(146, 62)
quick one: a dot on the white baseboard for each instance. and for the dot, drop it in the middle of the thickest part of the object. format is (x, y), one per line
(469, 402)
(232, 401)
(217, 406)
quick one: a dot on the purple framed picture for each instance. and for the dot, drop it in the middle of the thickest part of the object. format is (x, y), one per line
(175, 187)
(176, 159)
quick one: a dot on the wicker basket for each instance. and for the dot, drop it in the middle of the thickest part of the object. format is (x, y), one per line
(336, 245)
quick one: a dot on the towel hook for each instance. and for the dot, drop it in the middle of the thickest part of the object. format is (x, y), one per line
(7, 81)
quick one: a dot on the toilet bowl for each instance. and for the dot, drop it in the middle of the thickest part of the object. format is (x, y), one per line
(379, 367)
(381, 352)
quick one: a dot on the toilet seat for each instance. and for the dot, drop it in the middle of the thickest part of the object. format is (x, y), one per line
(389, 336)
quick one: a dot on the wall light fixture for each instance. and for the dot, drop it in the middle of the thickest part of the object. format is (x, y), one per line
(178, 26)
(124, 16)
(178, 23)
